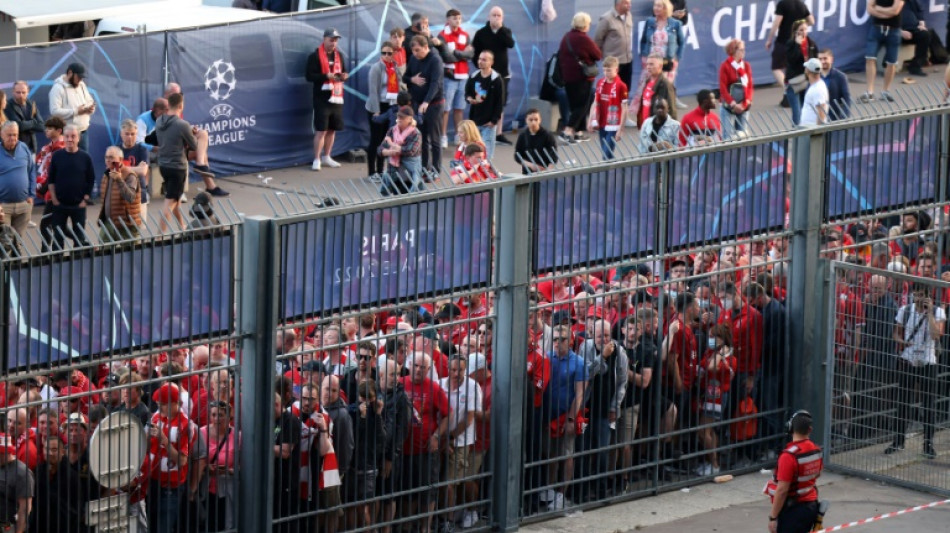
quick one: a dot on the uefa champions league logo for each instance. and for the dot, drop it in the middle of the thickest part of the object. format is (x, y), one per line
(220, 82)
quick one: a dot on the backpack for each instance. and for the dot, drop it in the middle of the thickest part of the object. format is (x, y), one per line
(741, 430)
(552, 72)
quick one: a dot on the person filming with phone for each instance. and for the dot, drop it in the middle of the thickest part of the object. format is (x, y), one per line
(121, 216)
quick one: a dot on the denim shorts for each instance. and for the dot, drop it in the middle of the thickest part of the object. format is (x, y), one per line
(454, 93)
(882, 35)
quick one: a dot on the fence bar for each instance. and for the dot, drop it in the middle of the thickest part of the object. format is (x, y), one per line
(258, 318)
(513, 262)
(806, 280)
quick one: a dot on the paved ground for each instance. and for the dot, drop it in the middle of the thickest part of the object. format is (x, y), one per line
(295, 189)
(739, 506)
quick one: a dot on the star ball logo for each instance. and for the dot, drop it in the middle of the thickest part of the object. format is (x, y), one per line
(220, 82)
(225, 128)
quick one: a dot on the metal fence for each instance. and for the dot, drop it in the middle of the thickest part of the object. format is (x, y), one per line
(539, 343)
(888, 379)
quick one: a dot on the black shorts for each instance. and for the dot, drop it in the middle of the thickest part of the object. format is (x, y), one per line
(174, 180)
(327, 116)
(421, 473)
(779, 59)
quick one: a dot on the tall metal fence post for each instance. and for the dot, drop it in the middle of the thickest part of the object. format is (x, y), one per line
(258, 325)
(808, 282)
(514, 227)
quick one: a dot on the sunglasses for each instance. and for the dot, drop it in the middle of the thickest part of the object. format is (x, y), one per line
(385, 53)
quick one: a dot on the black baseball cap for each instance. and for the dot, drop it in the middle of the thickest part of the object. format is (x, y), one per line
(78, 69)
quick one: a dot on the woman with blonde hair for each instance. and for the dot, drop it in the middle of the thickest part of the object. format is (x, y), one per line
(468, 134)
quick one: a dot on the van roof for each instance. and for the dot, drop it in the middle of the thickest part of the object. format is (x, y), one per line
(50, 12)
(176, 18)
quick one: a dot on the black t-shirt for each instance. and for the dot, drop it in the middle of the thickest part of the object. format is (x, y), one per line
(641, 357)
(791, 11)
(16, 481)
(287, 471)
(892, 22)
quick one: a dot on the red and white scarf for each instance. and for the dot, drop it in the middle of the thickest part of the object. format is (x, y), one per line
(399, 139)
(456, 40)
(334, 86)
(392, 82)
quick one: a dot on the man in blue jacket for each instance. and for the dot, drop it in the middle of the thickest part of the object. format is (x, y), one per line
(839, 92)
(424, 75)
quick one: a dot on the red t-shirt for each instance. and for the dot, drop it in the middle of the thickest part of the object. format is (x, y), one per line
(539, 371)
(181, 435)
(429, 403)
(26, 451)
(788, 468)
(716, 384)
(645, 111)
(699, 122)
(683, 346)
(747, 329)
(609, 98)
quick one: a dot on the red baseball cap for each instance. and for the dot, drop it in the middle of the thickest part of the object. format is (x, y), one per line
(167, 393)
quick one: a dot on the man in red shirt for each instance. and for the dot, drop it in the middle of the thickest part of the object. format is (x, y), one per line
(171, 437)
(428, 427)
(747, 330)
(792, 490)
(24, 437)
(680, 354)
(701, 125)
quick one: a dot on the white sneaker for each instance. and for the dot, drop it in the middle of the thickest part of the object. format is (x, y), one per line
(631, 123)
(546, 495)
(557, 503)
(183, 199)
(445, 141)
(315, 165)
(469, 520)
(328, 161)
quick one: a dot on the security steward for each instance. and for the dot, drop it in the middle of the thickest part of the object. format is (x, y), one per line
(792, 489)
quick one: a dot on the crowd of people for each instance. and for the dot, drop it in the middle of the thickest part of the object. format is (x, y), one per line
(60, 174)
(383, 417)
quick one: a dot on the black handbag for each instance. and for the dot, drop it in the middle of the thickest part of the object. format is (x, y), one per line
(589, 71)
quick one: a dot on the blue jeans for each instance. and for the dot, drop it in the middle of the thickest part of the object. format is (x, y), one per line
(595, 440)
(563, 105)
(794, 103)
(731, 123)
(608, 141)
(404, 179)
(488, 136)
(888, 37)
(164, 506)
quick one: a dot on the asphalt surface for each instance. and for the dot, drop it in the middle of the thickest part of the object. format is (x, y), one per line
(739, 506)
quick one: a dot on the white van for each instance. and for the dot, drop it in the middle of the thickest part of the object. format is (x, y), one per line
(175, 19)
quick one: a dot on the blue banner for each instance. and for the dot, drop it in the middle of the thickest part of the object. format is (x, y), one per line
(123, 75)
(874, 168)
(591, 218)
(80, 307)
(720, 195)
(383, 255)
(840, 25)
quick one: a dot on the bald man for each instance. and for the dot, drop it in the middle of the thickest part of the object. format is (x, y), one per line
(496, 38)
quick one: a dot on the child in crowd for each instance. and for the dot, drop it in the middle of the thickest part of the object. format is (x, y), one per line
(608, 113)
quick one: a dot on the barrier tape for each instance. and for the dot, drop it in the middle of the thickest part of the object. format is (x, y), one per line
(882, 517)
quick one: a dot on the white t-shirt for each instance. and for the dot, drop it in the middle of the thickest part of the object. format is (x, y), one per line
(921, 348)
(467, 399)
(816, 95)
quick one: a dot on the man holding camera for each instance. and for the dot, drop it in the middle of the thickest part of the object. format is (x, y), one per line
(918, 326)
(121, 216)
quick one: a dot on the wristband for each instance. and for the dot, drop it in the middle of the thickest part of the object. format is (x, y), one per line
(771, 519)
